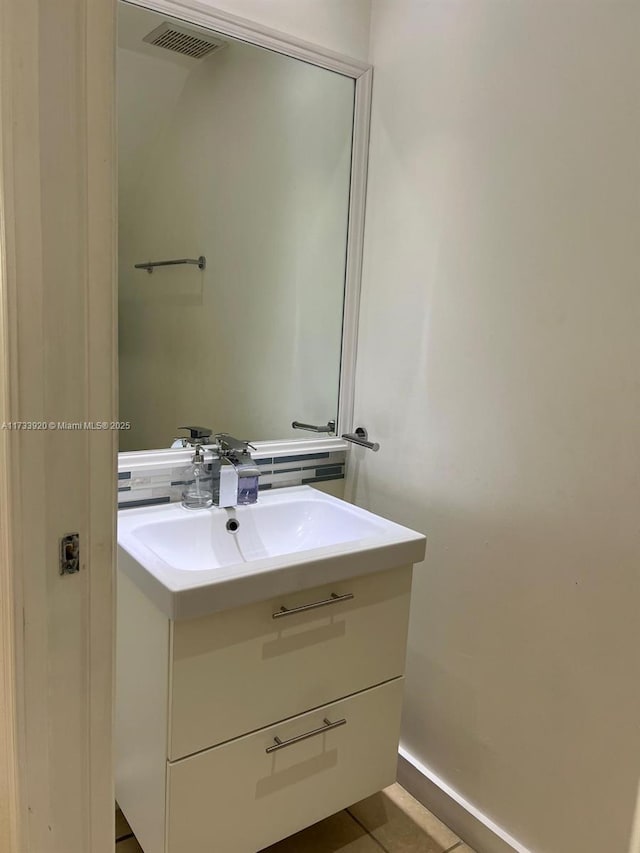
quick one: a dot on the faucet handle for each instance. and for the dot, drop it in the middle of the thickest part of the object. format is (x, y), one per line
(229, 444)
(197, 434)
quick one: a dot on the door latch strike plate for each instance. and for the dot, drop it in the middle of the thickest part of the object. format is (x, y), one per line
(70, 554)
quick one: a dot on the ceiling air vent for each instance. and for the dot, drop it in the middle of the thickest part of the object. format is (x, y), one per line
(182, 40)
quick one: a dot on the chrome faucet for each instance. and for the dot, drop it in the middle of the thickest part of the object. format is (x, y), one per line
(233, 478)
(197, 435)
(237, 480)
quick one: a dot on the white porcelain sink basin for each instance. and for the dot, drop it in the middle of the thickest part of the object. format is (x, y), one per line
(191, 563)
(278, 525)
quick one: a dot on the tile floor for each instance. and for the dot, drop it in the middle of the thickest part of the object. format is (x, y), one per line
(388, 822)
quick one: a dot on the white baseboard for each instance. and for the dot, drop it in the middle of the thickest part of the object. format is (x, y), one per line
(473, 826)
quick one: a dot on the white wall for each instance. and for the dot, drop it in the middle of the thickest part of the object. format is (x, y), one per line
(339, 25)
(498, 367)
(249, 165)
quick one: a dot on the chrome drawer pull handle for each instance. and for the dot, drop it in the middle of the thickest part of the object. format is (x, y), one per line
(328, 725)
(333, 599)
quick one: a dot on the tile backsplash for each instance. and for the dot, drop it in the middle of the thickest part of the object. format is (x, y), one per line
(157, 484)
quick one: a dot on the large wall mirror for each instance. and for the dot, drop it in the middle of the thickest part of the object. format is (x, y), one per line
(236, 178)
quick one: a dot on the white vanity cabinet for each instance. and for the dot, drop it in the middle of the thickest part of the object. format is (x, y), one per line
(239, 728)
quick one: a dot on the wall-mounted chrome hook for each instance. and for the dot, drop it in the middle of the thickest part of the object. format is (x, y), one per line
(361, 438)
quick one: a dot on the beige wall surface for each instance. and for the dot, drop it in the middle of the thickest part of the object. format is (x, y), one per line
(339, 25)
(498, 367)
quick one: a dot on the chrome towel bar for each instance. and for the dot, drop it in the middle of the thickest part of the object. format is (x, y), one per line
(200, 262)
(361, 438)
(330, 427)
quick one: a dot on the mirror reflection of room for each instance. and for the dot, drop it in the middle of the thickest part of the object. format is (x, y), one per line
(251, 341)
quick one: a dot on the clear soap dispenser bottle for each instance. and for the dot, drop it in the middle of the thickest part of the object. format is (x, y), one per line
(197, 493)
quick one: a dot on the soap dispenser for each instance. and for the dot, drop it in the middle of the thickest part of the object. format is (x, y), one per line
(197, 494)
(248, 475)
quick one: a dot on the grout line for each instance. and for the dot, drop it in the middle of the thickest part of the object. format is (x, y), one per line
(124, 838)
(455, 846)
(362, 826)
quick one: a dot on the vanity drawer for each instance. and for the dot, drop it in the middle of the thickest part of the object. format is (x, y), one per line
(238, 798)
(240, 670)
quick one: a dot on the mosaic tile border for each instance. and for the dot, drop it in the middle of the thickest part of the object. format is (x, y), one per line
(154, 484)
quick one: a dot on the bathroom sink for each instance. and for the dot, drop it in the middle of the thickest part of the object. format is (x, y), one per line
(194, 562)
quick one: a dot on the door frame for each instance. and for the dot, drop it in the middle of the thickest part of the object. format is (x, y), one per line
(58, 365)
